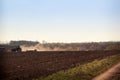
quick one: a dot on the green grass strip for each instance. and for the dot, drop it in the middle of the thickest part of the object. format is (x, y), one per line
(84, 72)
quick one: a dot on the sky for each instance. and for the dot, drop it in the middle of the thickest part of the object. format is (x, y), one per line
(60, 20)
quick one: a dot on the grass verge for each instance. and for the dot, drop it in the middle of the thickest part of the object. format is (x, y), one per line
(84, 72)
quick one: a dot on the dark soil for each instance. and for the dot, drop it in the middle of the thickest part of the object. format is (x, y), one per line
(29, 65)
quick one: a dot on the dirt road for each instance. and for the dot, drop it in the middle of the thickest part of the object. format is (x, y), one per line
(111, 74)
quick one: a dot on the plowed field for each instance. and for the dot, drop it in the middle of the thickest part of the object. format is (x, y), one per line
(29, 65)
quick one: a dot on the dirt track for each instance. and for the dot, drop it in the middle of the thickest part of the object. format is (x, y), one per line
(111, 74)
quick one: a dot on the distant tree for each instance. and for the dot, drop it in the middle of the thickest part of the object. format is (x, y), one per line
(113, 47)
(24, 42)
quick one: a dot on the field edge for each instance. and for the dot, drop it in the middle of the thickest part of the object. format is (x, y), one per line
(84, 72)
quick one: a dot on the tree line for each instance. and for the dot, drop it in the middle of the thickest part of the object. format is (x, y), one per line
(71, 46)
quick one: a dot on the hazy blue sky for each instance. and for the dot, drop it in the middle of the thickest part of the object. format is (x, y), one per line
(60, 20)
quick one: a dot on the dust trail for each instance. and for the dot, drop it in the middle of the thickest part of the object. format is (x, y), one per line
(40, 47)
(36, 47)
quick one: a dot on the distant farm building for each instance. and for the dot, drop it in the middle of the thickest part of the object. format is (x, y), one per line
(9, 48)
